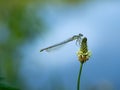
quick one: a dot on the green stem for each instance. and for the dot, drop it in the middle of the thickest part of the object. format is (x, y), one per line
(79, 75)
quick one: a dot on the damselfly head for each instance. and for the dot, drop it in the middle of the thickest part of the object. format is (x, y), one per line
(80, 35)
(77, 36)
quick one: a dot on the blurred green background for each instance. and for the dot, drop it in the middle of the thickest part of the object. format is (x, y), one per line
(19, 23)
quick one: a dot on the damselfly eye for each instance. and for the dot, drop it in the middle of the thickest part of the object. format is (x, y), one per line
(80, 34)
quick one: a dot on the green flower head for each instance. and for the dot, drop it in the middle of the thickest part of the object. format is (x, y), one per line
(83, 53)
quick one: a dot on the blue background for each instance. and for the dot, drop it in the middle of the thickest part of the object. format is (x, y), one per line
(99, 22)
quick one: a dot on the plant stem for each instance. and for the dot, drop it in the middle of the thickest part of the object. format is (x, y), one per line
(79, 76)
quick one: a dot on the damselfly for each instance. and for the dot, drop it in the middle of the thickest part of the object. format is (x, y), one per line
(75, 37)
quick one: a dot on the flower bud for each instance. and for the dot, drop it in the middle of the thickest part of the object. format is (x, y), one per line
(83, 53)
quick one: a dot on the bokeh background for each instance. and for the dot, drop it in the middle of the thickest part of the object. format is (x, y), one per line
(26, 26)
